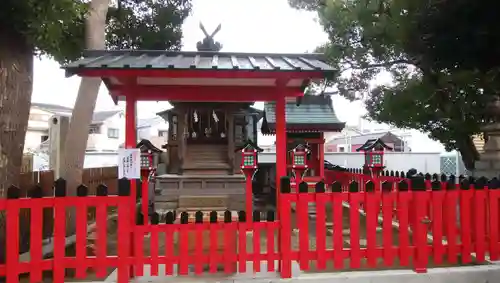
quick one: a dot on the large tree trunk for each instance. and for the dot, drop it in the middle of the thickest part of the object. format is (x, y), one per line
(78, 132)
(468, 151)
(16, 85)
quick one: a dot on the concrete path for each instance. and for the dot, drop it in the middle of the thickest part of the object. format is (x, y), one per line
(470, 274)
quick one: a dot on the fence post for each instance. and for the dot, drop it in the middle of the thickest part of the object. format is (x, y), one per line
(421, 221)
(285, 233)
(124, 230)
(59, 230)
(12, 232)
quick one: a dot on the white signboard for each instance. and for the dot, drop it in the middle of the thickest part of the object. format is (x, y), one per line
(129, 163)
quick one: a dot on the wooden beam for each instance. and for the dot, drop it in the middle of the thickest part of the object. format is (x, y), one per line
(222, 74)
(203, 93)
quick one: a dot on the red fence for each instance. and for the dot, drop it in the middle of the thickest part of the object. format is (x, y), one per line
(405, 227)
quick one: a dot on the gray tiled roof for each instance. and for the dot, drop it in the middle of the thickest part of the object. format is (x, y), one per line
(314, 113)
(54, 108)
(142, 59)
(101, 116)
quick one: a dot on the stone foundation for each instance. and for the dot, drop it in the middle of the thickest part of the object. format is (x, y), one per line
(489, 163)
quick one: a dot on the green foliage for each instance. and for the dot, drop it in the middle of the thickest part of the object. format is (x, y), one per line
(442, 56)
(57, 27)
(44, 25)
(147, 24)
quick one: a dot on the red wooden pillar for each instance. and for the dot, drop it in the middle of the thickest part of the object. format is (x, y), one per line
(131, 142)
(321, 153)
(281, 151)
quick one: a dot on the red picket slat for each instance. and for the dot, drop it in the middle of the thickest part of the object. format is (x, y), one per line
(387, 237)
(420, 230)
(437, 203)
(321, 200)
(338, 238)
(286, 234)
(154, 250)
(229, 253)
(372, 208)
(59, 238)
(242, 246)
(493, 231)
(81, 238)
(124, 229)
(102, 232)
(270, 246)
(169, 249)
(198, 258)
(479, 229)
(139, 250)
(355, 199)
(12, 249)
(213, 257)
(256, 227)
(303, 226)
(450, 219)
(36, 223)
(183, 249)
(466, 197)
(405, 252)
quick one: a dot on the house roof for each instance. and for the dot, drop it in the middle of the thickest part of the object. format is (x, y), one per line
(206, 60)
(102, 116)
(148, 122)
(54, 108)
(314, 114)
(376, 144)
(361, 139)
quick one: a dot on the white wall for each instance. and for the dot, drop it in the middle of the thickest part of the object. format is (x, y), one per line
(401, 161)
(100, 142)
(34, 138)
(92, 160)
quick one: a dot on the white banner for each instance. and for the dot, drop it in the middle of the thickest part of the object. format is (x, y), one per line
(129, 163)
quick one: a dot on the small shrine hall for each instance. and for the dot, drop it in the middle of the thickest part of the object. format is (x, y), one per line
(212, 118)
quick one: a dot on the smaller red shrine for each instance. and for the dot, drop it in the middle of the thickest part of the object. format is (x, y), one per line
(374, 155)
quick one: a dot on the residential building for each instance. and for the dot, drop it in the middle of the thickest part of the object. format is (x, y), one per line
(106, 132)
(38, 123)
(153, 129)
(349, 143)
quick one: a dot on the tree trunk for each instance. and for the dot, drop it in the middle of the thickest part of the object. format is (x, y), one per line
(16, 85)
(468, 151)
(78, 132)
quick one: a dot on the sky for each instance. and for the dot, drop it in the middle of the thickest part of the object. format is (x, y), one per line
(269, 26)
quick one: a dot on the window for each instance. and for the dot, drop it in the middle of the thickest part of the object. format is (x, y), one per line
(341, 149)
(94, 130)
(162, 133)
(113, 133)
(44, 138)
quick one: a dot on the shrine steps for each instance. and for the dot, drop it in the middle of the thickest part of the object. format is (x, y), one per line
(206, 159)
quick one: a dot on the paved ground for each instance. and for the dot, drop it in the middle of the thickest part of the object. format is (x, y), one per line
(472, 274)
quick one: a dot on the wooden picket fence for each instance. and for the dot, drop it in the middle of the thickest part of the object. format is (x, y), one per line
(425, 213)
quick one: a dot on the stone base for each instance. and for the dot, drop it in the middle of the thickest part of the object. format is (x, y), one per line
(489, 161)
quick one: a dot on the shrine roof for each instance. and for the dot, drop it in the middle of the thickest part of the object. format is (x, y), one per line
(314, 114)
(198, 60)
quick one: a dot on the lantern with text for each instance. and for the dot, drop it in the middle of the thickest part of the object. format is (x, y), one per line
(249, 164)
(299, 161)
(374, 155)
(149, 156)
